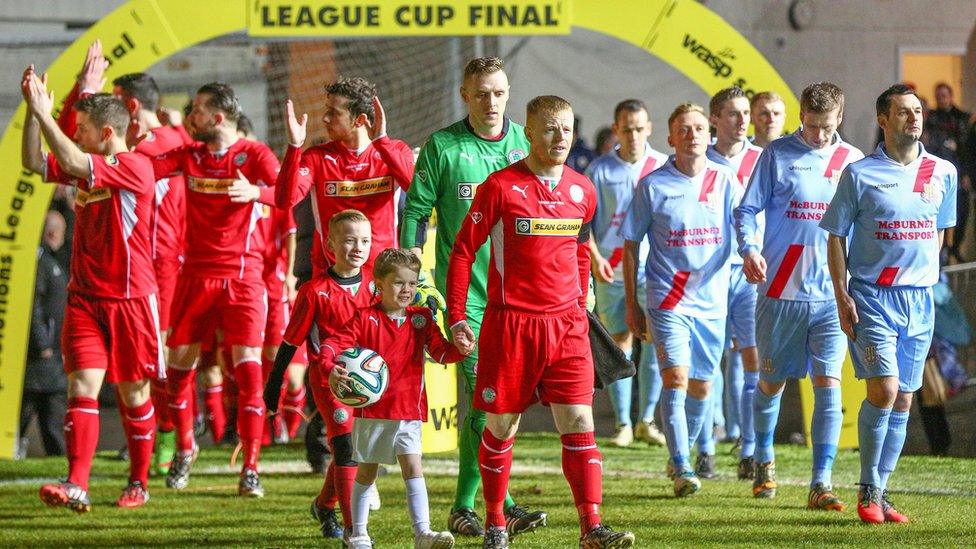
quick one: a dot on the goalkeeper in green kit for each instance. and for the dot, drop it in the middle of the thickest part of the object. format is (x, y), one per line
(453, 162)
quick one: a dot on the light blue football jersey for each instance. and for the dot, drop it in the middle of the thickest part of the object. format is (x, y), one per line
(892, 215)
(743, 165)
(688, 222)
(615, 179)
(793, 183)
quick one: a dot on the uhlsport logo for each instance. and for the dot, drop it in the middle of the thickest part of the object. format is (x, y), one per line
(534, 226)
(466, 191)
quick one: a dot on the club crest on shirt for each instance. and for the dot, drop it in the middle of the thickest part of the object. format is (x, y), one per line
(931, 190)
(515, 155)
(488, 395)
(421, 175)
(111, 160)
(303, 171)
(418, 321)
(476, 217)
(711, 202)
(340, 416)
(240, 159)
(576, 193)
(871, 354)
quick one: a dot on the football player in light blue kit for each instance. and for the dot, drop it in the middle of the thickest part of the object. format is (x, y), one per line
(893, 208)
(614, 175)
(684, 209)
(797, 328)
(729, 114)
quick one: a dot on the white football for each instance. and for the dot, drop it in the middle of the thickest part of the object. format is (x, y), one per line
(369, 376)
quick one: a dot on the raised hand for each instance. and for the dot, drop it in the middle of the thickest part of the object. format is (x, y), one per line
(39, 99)
(377, 128)
(92, 75)
(297, 130)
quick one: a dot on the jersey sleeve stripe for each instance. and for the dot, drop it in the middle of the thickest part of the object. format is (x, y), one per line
(648, 167)
(924, 175)
(790, 259)
(677, 290)
(836, 161)
(887, 276)
(708, 185)
(747, 165)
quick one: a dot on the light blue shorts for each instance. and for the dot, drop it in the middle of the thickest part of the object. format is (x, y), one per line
(894, 332)
(742, 309)
(683, 340)
(611, 305)
(796, 338)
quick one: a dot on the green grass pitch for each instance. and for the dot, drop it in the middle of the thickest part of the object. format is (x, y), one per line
(939, 494)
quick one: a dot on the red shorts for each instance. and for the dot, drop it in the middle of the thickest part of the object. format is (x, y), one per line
(279, 313)
(337, 416)
(202, 305)
(524, 357)
(301, 355)
(167, 273)
(120, 336)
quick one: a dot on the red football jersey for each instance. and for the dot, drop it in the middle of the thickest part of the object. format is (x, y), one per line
(540, 259)
(222, 240)
(327, 302)
(111, 253)
(169, 220)
(368, 182)
(402, 346)
(276, 225)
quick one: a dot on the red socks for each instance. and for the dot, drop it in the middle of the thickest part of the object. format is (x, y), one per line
(583, 469)
(81, 438)
(344, 477)
(495, 460)
(250, 413)
(180, 385)
(160, 400)
(292, 406)
(213, 401)
(328, 497)
(140, 431)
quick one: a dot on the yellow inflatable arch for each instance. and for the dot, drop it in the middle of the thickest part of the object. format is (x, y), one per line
(694, 40)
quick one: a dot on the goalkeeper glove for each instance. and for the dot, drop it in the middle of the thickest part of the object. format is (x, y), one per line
(427, 295)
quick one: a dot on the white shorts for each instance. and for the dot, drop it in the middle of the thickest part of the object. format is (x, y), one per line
(382, 440)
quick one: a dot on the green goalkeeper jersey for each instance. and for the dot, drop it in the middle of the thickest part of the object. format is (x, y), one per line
(452, 164)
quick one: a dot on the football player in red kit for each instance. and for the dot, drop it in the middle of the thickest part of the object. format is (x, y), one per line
(361, 167)
(221, 285)
(140, 94)
(324, 304)
(111, 325)
(534, 342)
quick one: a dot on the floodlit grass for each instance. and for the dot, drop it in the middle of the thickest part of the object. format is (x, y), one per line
(939, 494)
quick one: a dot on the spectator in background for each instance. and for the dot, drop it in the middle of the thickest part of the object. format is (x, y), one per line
(45, 383)
(63, 202)
(580, 155)
(605, 140)
(946, 131)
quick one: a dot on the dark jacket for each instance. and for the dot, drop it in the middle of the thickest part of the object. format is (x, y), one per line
(50, 295)
(946, 133)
